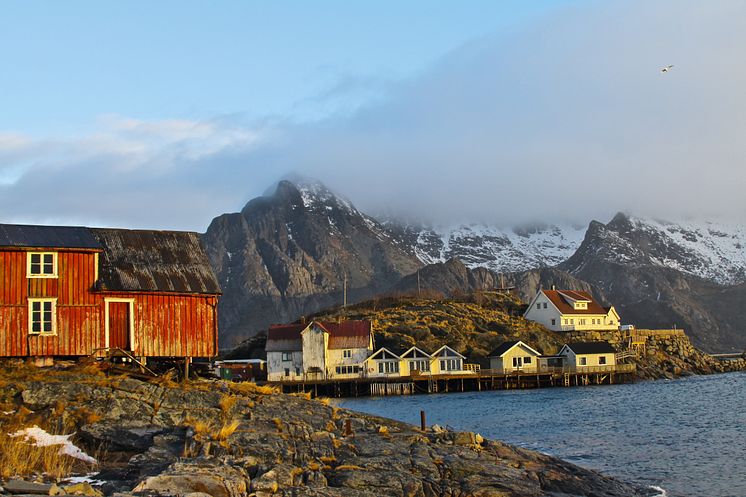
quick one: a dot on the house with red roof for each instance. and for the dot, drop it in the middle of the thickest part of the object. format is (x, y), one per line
(571, 310)
(318, 350)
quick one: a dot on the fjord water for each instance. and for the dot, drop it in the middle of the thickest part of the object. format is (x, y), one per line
(687, 436)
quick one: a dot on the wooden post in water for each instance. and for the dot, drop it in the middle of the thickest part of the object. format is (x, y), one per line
(423, 423)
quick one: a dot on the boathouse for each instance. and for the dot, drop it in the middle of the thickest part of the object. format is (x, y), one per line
(76, 291)
(382, 363)
(514, 356)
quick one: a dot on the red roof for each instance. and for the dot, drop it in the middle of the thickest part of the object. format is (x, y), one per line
(562, 300)
(345, 335)
(285, 331)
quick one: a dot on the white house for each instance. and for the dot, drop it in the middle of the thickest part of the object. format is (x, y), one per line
(570, 310)
(445, 360)
(514, 356)
(588, 355)
(415, 361)
(318, 350)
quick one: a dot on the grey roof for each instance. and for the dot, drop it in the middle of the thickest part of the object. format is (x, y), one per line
(502, 348)
(591, 347)
(506, 346)
(29, 236)
(154, 261)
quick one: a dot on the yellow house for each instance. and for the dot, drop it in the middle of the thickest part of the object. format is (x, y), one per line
(445, 360)
(570, 310)
(588, 355)
(414, 361)
(514, 356)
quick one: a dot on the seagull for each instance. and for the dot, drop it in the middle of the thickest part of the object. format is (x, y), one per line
(667, 68)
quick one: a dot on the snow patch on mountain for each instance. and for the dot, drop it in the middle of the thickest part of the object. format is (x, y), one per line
(709, 249)
(499, 249)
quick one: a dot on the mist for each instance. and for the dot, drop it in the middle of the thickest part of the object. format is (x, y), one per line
(569, 119)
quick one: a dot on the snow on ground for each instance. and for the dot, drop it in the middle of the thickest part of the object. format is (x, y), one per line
(43, 439)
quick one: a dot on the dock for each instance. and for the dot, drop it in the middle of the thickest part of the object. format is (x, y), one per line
(485, 379)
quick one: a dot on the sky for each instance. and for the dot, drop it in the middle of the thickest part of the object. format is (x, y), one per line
(166, 114)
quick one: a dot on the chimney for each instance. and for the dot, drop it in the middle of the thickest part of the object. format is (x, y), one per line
(303, 320)
(554, 287)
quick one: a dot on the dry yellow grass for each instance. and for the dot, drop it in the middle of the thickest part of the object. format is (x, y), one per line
(314, 466)
(278, 424)
(249, 388)
(227, 402)
(348, 467)
(225, 431)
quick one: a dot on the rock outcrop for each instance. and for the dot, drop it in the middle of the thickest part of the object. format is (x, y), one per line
(215, 438)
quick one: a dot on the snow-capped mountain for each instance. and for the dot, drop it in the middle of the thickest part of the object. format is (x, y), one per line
(498, 249)
(710, 250)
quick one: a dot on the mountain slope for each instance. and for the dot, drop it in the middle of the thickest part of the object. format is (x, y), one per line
(289, 253)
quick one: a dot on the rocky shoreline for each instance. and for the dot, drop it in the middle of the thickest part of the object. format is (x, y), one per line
(231, 439)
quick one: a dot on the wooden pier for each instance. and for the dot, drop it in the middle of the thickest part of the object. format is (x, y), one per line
(468, 382)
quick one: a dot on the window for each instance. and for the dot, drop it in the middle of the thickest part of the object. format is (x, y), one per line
(545, 305)
(380, 367)
(517, 362)
(527, 360)
(287, 356)
(538, 306)
(348, 369)
(297, 371)
(42, 316)
(554, 322)
(582, 361)
(602, 360)
(287, 371)
(346, 353)
(42, 265)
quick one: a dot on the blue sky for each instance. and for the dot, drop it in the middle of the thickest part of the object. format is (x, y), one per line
(67, 63)
(166, 114)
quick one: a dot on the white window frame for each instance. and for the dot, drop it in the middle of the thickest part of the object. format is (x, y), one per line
(31, 302)
(582, 361)
(53, 274)
(287, 356)
(347, 353)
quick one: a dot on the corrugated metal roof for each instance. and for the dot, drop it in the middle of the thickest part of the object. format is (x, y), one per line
(22, 235)
(154, 261)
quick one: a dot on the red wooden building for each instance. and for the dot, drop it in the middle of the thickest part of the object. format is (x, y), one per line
(69, 291)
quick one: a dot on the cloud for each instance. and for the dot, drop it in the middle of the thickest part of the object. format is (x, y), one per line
(163, 174)
(568, 118)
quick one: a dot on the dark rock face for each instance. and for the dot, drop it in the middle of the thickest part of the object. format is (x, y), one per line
(287, 255)
(621, 262)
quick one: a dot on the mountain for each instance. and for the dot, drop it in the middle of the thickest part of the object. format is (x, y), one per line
(289, 253)
(711, 250)
(655, 280)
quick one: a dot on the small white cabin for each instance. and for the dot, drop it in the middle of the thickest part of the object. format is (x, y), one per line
(514, 356)
(588, 355)
(445, 360)
(570, 310)
(415, 361)
(382, 363)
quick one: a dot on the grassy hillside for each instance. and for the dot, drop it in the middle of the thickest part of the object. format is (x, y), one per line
(473, 324)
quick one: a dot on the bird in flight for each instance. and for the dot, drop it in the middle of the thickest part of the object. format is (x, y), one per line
(667, 68)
